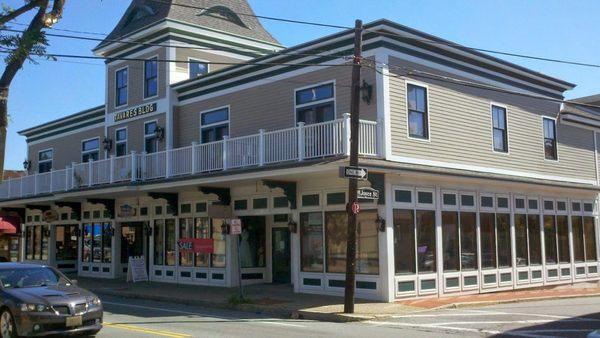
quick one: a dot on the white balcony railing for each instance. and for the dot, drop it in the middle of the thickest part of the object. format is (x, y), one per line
(292, 144)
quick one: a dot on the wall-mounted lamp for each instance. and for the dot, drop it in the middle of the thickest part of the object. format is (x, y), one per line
(26, 164)
(380, 223)
(366, 92)
(292, 225)
(107, 143)
(160, 133)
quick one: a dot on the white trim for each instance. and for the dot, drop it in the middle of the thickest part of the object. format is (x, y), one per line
(72, 132)
(147, 136)
(555, 138)
(425, 86)
(196, 60)
(144, 97)
(171, 70)
(498, 105)
(313, 103)
(90, 151)
(115, 105)
(59, 120)
(411, 160)
(215, 124)
(117, 142)
(596, 157)
(51, 160)
(382, 79)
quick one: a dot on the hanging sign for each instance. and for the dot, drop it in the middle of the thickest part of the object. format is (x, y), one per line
(126, 210)
(136, 111)
(136, 269)
(235, 226)
(50, 216)
(196, 245)
(355, 173)
(367, 193)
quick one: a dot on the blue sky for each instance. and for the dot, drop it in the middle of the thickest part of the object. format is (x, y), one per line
(549, 28)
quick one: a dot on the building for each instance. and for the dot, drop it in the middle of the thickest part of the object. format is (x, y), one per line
(484, 185)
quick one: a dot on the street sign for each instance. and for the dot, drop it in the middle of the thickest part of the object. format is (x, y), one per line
(356, 173)
(355, 208)
(367, 194)
(235, 226)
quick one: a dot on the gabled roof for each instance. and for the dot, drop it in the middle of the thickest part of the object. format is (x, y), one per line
(221, 15)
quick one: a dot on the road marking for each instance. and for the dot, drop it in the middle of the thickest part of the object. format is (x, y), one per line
(530, 321)
(429, 326)
(267, 321)
(149, 331)
(535, 315)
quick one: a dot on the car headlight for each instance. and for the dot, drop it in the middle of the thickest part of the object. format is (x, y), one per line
(34, 307)
(94, 301)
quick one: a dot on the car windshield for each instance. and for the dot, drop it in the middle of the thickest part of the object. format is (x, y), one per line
(29, 277)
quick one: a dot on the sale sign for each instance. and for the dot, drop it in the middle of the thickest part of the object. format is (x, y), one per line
(196, 245)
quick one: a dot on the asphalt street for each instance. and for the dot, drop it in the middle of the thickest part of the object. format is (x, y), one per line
(554, 318)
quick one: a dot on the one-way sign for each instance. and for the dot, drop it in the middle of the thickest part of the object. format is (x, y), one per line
(357, 173)
(367, 193)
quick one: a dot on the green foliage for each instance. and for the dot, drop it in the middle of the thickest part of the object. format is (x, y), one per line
(236, 299)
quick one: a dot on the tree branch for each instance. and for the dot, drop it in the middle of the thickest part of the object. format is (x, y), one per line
(25, 8)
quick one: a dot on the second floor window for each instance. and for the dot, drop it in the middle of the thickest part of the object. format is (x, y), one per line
(550, 151)
(214, 125)
(197, 68)
(45, 160)
(90, 150)
(315, 104)
(499, 129)
(121, 87)
(150, 78)
(150, 139)
(121, 142)
(418, 119)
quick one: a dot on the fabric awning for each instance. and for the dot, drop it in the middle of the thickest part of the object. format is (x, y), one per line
(10, 225)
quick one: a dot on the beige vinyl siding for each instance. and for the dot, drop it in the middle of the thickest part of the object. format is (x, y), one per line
(135, 81)
(135, 133)
(461, 132)
(67, 149)
(271, 106)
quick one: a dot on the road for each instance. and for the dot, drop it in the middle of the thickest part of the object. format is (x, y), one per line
(555, 318)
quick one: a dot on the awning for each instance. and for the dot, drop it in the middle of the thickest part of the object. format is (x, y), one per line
(10, 225)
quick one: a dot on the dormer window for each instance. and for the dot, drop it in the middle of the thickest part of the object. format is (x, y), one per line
(223, 13)
(197, 68)
(139, 13)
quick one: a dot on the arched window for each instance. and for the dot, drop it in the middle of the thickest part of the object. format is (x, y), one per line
(138, 13)
(223, 13)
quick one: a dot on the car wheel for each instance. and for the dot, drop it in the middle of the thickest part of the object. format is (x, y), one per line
(7, 325)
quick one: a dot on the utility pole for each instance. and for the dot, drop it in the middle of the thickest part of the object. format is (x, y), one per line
(352, 207)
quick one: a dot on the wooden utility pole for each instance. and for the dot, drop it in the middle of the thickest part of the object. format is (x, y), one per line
(353, 183)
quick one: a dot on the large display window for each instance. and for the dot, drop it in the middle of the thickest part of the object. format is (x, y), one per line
(97, 242)
(66, 242)
(36, 242)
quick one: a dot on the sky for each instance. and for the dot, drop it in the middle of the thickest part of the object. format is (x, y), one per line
(550, 28)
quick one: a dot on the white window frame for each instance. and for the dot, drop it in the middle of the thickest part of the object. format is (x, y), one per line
(45, 161)
(548, 211)
(425, 206)
(333, 98)
(90, 151)
(450, 207)
(404, 205)
(505, 107)
(426, 86)
(483, 208)
(210, 125)
(525, 205)
(536, 210)
(147, 136)
(116, 89)
(555, 138)
(144, 78)
(467, 207)
(117, 142)
(196, 60)
(497, 205)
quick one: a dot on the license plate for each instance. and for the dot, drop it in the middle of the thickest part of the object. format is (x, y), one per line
(74, 321)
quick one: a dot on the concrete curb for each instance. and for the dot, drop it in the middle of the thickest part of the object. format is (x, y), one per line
(331, 317)
(508, 301)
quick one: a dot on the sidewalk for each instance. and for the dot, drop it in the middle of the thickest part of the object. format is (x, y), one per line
(281, 301)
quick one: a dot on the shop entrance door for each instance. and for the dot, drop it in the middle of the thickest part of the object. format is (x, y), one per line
(134, 242)
(280, 239)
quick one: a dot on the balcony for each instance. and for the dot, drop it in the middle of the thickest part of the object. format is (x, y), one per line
(259, 150)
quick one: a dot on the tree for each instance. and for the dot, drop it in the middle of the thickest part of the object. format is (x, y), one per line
(21, 47)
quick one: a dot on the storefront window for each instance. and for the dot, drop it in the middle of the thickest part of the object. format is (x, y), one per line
(578, 250)
(550, 240)
(106, 243)
(202, 230)
(218, 256)
(562, 228)
(186, 230)
(535, 241)
(521, 239)
(311, 241)
(450, 240)
(504, 242)
(252, 242)
(37, 242)
(159, 253)
(488, 241)
(132, 241)
(97, 243)
(66, 242)
(590, 238)
(29, 242)
(45, 239)
(426, 249)
(468, 240)
(170, 241)
(86, 250)
(404, 242)
(367, 260)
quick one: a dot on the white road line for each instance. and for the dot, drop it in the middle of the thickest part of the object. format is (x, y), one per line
(531, 321)
(446, 315)
(429, 326)
(267, 321)
(492, 313)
